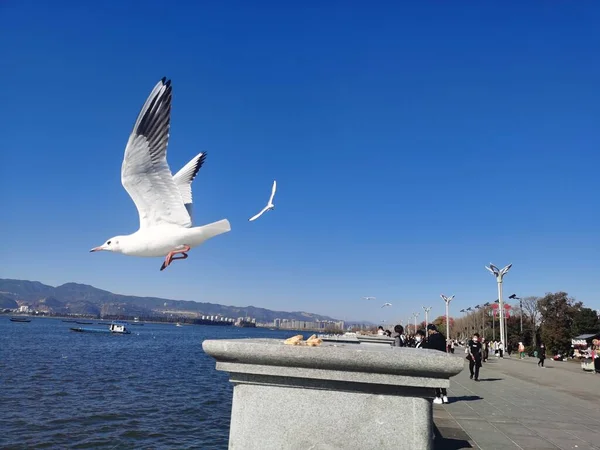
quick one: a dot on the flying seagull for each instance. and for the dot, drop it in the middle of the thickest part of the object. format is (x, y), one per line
(386, 304)
(269, 206)
(369, 298)
(163, 201)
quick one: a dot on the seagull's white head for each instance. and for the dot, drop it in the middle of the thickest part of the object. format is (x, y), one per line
(112, 245)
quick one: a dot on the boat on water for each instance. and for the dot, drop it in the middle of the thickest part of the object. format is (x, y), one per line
(115, 327)
(178, 324)
(20, 319)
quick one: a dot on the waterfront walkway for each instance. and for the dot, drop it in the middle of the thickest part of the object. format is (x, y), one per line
(518, 405)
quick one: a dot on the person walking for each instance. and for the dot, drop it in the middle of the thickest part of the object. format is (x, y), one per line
(485, 350)
(474, 356)
(521, 351)
(399, 338)
(437, 341)
(541, 355)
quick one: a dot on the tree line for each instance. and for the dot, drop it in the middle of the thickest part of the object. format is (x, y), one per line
(553, 319)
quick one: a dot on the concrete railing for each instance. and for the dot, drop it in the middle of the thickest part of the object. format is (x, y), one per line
(335, 396)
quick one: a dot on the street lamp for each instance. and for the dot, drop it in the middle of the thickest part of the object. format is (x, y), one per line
(485, 306)
(477, 307)
(471, 328)
(467, 319)
(415, 315)
(514, 297)
(447, 300)
(499, 274)
(426, 309)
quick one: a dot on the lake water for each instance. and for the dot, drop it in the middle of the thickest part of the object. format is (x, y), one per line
(154, 388)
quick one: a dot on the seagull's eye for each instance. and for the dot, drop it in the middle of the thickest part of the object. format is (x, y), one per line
(108, 243)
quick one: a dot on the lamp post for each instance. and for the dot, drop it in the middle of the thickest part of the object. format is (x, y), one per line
(514, 297)
(447, 300)
(485, 306)
(415, 315)
(477, 307)
(470, 330)
(426, 309)
(467, 320)
(493, 324)
(499, 274)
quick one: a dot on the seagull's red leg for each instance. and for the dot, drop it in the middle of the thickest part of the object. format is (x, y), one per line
(171, 256)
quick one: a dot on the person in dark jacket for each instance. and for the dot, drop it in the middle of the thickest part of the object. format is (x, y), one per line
(541, 355)
(475, 353)
(399, 338)
(420, 339)
(437, 341)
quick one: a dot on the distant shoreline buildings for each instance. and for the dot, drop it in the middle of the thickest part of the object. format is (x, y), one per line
(318, 325)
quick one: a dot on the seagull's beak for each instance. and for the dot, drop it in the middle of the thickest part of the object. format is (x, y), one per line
(97, 249)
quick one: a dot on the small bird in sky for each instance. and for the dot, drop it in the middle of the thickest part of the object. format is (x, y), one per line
(269, 206)
(386, 304)
(368, 298)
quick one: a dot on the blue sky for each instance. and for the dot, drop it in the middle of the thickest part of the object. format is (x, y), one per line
(412, 143)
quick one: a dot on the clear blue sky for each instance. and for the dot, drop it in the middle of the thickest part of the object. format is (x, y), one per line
(412, 142)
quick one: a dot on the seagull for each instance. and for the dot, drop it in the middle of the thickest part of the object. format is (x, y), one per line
(368, 298)
(269, 206)
(386, 304)
(163, 201)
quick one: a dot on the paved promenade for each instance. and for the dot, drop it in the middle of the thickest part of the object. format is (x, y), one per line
(518, 405)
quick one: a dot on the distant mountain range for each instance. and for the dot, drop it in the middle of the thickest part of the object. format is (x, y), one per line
(74, 298)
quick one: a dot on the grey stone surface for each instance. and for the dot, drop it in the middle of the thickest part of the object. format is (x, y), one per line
(300, 419)
(518, 405)
(365, 339)
(383, 360)
(336, 396)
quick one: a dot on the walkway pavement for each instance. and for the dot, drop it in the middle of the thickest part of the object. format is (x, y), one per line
(517, 405)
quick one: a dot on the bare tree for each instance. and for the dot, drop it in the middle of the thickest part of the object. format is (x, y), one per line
(532, 310)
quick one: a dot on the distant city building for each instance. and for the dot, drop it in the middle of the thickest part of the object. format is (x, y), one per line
(308, 325)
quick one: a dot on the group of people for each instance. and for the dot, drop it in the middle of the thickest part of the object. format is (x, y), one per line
(433, 340)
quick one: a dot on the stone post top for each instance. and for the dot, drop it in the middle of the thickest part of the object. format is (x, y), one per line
(374, 359)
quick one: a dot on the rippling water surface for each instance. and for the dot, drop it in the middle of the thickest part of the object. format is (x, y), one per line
(154, 388)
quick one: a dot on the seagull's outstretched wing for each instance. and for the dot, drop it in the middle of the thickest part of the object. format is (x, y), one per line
(273, 189)
(183, 179)
(258, 215)
(145, 174)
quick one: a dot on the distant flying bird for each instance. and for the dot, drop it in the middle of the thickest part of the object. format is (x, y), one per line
(269, 206)
(163, 201)
(386, 304)
(369, 298)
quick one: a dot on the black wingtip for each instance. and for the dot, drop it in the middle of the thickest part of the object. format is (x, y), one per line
(165, 82)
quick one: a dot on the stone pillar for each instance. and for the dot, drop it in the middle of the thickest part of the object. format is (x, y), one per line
(335, 396)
